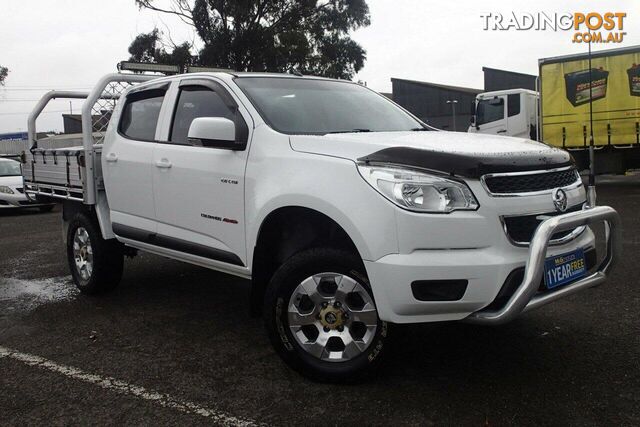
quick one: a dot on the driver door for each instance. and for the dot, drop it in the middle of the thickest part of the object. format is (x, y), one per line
(199, 190)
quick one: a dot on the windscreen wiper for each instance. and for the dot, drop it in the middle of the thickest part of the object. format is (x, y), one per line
(351, 131)
(420, 129)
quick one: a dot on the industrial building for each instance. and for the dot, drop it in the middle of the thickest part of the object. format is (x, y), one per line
(449, 107)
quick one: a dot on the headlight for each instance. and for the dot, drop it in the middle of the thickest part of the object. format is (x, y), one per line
(419, 192)
(6, 190)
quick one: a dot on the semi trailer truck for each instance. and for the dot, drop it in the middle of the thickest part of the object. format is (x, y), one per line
(561, 113)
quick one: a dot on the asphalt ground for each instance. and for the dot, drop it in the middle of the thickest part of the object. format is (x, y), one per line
(175, 345)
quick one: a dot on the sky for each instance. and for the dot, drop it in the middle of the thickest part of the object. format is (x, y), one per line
(70, 44)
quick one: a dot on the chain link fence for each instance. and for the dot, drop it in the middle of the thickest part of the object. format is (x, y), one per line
(101, 113)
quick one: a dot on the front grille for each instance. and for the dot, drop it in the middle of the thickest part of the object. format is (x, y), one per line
(509, 184)
(520, 229)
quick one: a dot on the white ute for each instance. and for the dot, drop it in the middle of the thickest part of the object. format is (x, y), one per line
(345, 211)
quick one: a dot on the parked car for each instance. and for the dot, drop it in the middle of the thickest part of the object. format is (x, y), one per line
(346, 211)
(12, 194)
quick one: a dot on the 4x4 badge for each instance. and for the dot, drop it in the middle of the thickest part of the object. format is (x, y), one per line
(560, 199)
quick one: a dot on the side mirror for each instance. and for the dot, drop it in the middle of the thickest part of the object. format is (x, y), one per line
(472, 112)
(214, 132)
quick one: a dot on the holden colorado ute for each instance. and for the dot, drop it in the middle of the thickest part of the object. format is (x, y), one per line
(345, 211)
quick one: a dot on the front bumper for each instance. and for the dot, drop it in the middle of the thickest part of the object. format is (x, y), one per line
(486, 269)
(18, 200)
(525, 298)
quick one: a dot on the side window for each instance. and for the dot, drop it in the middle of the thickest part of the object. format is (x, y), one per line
(194, 102)
(490, 110)
(140, 114)
(513, 104)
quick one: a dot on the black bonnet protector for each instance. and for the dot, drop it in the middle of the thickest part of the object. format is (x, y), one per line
(470, 165)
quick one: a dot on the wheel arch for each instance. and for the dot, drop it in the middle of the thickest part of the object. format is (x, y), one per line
(293, 228)
(69, 210)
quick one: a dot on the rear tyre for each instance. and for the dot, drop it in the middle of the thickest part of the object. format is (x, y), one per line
(96, 264)
(321, 317)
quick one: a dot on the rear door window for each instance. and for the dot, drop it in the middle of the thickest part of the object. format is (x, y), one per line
(140, 114)
(513, 104)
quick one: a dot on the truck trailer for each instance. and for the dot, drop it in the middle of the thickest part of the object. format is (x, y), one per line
(560, 114)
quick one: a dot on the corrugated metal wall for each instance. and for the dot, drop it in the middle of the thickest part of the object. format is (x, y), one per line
(429, 103)
(503, 80)
(12, 147)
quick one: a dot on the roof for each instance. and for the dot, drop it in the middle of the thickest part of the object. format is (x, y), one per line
(509, 91)
(585, 55)
(262, 74)
(161, 80)
(508, 72)
(11, 136)
(241, 74)
(440, 86)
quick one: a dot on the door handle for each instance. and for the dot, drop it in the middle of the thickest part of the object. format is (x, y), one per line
(163, 164)
(502, 131)
(112, 157)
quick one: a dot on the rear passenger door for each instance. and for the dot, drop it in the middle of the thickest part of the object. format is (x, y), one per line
(127, 162)
(199, 190)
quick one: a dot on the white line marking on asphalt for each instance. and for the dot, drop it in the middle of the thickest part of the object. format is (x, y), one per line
(123, 387)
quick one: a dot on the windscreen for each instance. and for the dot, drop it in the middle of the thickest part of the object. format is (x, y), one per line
(489, 111)
(10, 168)
(318, 107)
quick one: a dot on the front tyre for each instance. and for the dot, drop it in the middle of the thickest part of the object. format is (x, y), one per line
(321, 316)
(96, 264)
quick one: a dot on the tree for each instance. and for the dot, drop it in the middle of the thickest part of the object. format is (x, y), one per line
(307, 36)
(148, 47)
(4, 72)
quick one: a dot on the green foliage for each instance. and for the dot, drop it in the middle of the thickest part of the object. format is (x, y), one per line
(147, 47)
(4, 72)
(307, 36)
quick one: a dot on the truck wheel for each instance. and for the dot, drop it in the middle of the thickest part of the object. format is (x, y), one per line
(321, 317)
(96, 264)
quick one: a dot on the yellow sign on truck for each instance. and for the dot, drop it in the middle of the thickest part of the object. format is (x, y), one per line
(567, 84)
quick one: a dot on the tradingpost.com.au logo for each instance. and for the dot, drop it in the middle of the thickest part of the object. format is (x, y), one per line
(584, 27)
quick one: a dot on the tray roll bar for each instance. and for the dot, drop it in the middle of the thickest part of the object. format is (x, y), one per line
(32, 142)
(97, 93)
(526, 297)
(87, 125)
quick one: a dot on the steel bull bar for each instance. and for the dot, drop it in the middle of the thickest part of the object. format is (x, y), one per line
(526, 297)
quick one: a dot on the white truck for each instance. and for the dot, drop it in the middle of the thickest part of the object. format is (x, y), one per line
(345, 211)
(511, 112)
(561, 113)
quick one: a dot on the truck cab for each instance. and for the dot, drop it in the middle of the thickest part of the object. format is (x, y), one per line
(512, 112)
(345, 211)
